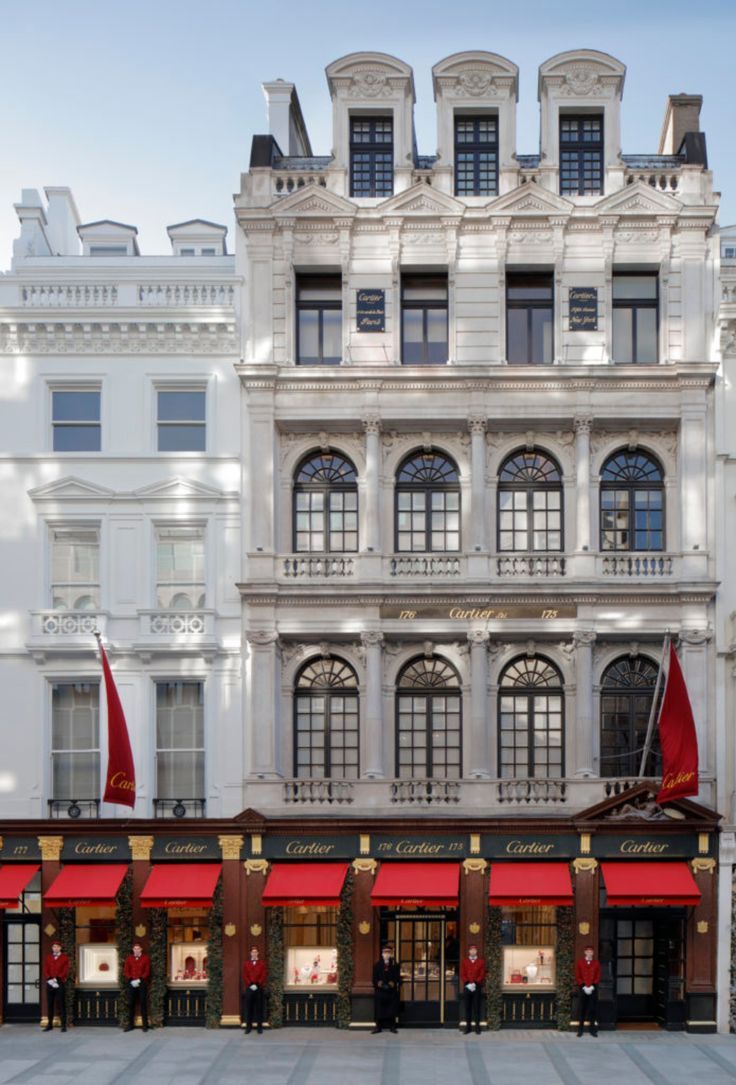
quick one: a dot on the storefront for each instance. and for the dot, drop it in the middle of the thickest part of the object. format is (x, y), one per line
(318, 898)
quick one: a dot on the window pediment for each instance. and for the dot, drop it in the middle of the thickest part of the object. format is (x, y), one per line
(420, 199)
(312, 201)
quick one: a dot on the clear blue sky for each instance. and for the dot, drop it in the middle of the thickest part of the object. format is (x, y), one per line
(146, 108)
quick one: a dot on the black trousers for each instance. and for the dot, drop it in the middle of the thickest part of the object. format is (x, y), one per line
(472, 1005)
(254, 1001)
(134, 994)
(588, 1010)
(56, 1000)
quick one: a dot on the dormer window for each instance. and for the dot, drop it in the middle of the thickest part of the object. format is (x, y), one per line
(476, 155)
(371, 156)
(581, 154)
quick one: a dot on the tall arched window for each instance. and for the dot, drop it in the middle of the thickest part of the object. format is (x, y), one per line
(627, 688)
(325, 504)
(326, 729)
(632, 502)
(530, 503)
(531, 720)
(428, 720)
(427, 504)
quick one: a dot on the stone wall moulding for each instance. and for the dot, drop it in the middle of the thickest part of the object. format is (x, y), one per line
(369, 76)
(583, 73)
(475, 74)
(139, 338)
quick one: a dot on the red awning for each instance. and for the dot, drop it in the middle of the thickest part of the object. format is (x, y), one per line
(13, 880)
(292, 884)
(181, 885)
(85, 883)
(530, 883)
(649, 883)
(426, 884)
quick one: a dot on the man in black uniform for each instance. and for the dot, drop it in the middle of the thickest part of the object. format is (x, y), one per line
(386, 983)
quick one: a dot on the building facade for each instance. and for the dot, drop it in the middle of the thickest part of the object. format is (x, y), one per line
(465, 490)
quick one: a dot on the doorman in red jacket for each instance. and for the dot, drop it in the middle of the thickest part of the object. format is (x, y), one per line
(254, 978)
(472, 977)
(137, 973)
(587, 980)
(56, 972)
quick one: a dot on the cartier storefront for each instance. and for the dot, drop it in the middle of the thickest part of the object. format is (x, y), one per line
(318, 897)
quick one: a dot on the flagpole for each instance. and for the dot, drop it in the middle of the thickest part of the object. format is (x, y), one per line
(653, 709)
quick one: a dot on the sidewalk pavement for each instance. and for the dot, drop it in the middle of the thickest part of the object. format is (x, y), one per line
(88, 1056)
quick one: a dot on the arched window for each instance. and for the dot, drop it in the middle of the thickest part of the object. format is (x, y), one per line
(531, 720)
(627, 688)
(427, 504)
(325, 505)
(530, 503)
(428, 720)
(632, 502)
(326, 726)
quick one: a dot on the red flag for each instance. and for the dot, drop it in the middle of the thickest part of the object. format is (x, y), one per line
(677, 737)
(120, 779)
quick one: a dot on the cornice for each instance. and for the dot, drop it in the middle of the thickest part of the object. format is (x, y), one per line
(472, 595)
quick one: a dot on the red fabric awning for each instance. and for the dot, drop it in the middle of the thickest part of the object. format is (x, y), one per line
(530, 883)
(421, 884)
(14, 877)
(292, 884)
(85, 883)
(669, 884)
(181, 885)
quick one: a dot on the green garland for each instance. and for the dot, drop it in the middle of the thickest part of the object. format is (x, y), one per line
(494, 969)
(345, 969)
(68, 939)
(213, 1009)
(565, 965)
(124, 940)
(275, 956)
(158, 953)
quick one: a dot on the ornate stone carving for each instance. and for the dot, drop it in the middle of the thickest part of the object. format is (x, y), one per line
(584, 637)
(475, 83)
(474, 866)
(230, 846)
(583, 423)
(51, 848)
(255, 866)
(140, 847)
(478, 637)
(422, 238)
(696, 636)
(567, 649)
(186, 337)
(582, 82)
(261, 638)
(365, 866)
(703, 866)
(585, 865)
(371, 637)
(369, 84)
(316, 237)
(477, 424)
(371, 424)
(728, 339)
(530, 237)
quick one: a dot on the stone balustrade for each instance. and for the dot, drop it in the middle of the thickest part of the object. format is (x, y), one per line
(531, 565)
(307, 568)
(651, 566)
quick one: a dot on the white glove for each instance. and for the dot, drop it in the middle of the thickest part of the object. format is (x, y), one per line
(254, 986)
(588, 990)
(53, 983)
(135, 983)
(470, 986)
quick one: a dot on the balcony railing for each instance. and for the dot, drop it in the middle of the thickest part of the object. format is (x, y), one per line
(531, 565)
(425, 792)
(305, 568)
(67, 623)
(74, 808)
(177, 623)
(654, 566)
(659, 171)
(424, 567)
(320, 792)
(163, 294)
(69, 295)
(187, 295)
(531, 792)
(179, 808)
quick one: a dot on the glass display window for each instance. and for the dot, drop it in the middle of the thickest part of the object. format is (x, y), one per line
(529, 937)
(310, 942)
(188, 941)
(97, 954)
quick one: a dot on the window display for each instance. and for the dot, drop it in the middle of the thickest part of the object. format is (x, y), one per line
(97, 955)
(188, 937)
(311, 967)
(310, 944)
(532, 967)
(529, 937)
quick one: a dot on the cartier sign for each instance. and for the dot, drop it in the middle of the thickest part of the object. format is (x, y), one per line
(193, 847)
(310, 847)
(419, 847)
(98, 848)
(521, 846)
(682, 846)
(476, 612)
(20, 847)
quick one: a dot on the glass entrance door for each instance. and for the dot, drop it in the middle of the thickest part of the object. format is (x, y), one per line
(22, 981)
(425, 947)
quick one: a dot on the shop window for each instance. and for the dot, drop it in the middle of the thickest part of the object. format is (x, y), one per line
(75, 420)
(326, 505)
(424, 319)
(188, 941)
(180, 420)
(180, 573)
(97, 954)
(529, 317)
(75, 741)
(635, 318)
(427, 504)
(429, 721)
(529, 503)
(581, 155)
(326, 732)
(318, 319)
(75, 568)
(310, 941)
(531, 720)
(371, 156)
(529, 939)
(627, 689)
(476, 155)
(632, 502)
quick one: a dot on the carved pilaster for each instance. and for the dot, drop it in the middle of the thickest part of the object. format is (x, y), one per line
(51, 848)
(230, 846)
(141, 847)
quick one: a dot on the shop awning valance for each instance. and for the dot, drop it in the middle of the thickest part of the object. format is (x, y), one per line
(420, 884)
(14, 877)
(85, 883)
(647, 884)
(294, 884)
(181, 885)
(530, 884)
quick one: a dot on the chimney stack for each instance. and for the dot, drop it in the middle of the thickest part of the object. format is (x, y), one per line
(285, 120)
(681, 116)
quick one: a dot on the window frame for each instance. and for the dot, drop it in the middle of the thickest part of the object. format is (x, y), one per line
(82, 423)
(70, 528)
(629, 693)
(328, 692)
(196, 750)
(631, 487)
(635, 305)
(372, 147)
(530, 693)
(427, 693)
(160, 526)
(61, 751)
(579, 148)
(424, 306)
(201, 387)
(533, 280)
(320, 306)
(427, 488)
(328, 489)
(530, 488)
(476, 148)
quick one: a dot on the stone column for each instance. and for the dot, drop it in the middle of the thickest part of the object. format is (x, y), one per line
(692, 491)
(262, 725)
(231, 847)
(582, 482)
(694, 660)
(477, 426)
(50, 847)
(584, 723)
(477, 761)
(372, 521)
(372, 641)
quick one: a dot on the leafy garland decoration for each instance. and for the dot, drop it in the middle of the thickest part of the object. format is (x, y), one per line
(158, 952)
(68, 939)
(213, 1005)
(494, 969)
(124, 940)
(275, 943)
(565, 966)
(345, 964)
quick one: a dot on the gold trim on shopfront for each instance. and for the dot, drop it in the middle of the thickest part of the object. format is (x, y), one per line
(140, 847)
(702, 926)
(256, 929)
(230, 846)
(364, 926)
(475, 843)
(140, 931)
(585, 866)
(256, 866)
(230, 1020)
(365, 844)
(49, 929)
(703, 866)
(703, 843)
(51, 848)
(585, 843)
(365, 866)
(474, 928)
(256, 843)
(584, 927)
(230, 930)
(476, 866)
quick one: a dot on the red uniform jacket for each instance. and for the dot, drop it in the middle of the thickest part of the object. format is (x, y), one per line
(254, 972)
(587, 973)
(472, 971)
(57, 968)
(137, 968)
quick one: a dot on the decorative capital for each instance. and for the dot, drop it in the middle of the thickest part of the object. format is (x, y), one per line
(585, 843)
(262, 638)
(476, 866)
(256, 844)
(255, 866)
(141, 847)
(585, 866)
(229, 930)
(365, 866)
(371, 637)
(477, 424)
(372, 424)
(230, 846)
(583, 424)
(51, 848)
(696, 636)
(703, 866)
(584, 637)
(478, 638)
